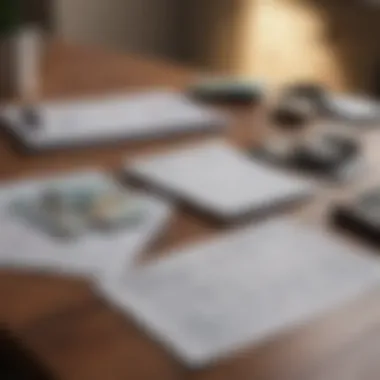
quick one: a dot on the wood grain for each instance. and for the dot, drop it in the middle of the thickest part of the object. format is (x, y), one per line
(80, 337)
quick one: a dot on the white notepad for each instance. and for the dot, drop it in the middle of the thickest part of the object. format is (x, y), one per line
(220, 179)
(152, 114)
(209, 300)
(94, 254)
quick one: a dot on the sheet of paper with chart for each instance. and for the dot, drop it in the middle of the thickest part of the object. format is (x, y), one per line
(26, 244)
(207, 301)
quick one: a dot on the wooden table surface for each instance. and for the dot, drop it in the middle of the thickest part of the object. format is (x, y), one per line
(79, 337)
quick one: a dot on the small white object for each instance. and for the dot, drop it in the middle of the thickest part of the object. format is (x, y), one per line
(94, 254)
(207, 301)
(149, 114)
(220, 180)
(355, 109)
(29, 44)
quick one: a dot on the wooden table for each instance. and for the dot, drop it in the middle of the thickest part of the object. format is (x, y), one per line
(80, 338)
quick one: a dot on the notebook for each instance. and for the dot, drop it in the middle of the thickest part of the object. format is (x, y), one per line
(149, 114)
(25, 245)
(220, 180)
(208, 301)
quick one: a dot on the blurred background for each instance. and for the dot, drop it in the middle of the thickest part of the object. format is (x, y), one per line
(331, 41)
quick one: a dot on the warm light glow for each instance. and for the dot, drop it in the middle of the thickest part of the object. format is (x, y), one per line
(282, 41)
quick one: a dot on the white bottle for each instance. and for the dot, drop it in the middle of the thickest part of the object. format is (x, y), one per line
(29, 54)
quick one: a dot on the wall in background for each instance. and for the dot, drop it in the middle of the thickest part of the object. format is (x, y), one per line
(143, 26)
(38, 12)
(208, 31)
(330, 41)
(284, 42)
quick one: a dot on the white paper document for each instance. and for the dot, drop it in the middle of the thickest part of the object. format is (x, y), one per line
(207, 301)
(220, 179)
(152, 114)
(95, 253)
